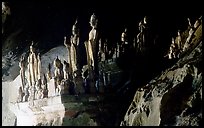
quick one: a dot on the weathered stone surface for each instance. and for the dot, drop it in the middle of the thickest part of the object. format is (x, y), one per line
(173, 98)
(48, 111)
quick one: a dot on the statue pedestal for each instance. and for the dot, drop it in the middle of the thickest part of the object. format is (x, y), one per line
(47, 111)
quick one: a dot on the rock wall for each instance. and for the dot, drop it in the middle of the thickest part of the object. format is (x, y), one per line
(174, 97)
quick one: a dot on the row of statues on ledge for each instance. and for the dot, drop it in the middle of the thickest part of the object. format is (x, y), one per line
(68, 76)
(180, 44)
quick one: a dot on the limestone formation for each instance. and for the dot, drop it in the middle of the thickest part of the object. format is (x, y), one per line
(191, 33)
(198, 22)
(172, 98)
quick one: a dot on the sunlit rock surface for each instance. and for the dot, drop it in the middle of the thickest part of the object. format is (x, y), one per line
(173, 98)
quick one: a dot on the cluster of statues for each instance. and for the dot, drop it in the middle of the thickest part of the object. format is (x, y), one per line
(91, 78)
(140, 42)
(67, 74)
(179, 44)
(33, 85)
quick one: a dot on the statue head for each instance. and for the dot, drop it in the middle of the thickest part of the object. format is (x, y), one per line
(38, 56)
(75, 29)
(32, 49)
(125, 30)
(99, 44)
(145, 20)
(179, 33)
(172, 39)
(93, 21)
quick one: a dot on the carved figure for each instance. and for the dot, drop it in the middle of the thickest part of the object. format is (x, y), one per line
(22, 71)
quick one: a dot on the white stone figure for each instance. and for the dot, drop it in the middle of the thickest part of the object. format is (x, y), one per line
(37, 92)
(20, 94)
(49, 75)
(170, 55)
(58, 68)
(58, 89)
(22, 71)
(31, 62)
(31, 91)
(25, 98)
(29, 76)
(36, 68)
(124, 36)
(39, 67)
(44, 87)
(66, 70)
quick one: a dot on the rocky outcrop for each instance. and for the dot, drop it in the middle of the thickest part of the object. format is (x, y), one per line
(174, 97)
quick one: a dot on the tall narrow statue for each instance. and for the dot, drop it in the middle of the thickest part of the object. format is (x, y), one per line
(92, 53)
(36, 68)
(31, 64)
(91, 45)
(124, 41)
(39, 67)
(179, 42)
(74, 48)
(142, 35)
(22, 71)
(66, 70)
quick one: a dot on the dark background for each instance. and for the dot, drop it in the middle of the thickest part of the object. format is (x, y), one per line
(50, 21)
